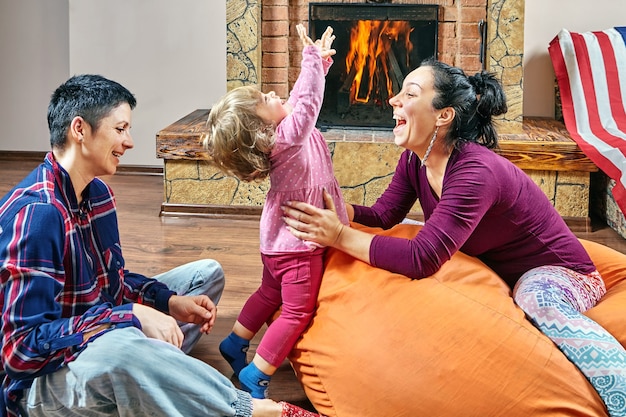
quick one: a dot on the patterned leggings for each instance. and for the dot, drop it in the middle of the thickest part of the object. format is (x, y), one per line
(554, 299)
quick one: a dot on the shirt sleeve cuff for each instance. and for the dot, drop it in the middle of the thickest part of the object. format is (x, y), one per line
(124, 314)
(162, 299)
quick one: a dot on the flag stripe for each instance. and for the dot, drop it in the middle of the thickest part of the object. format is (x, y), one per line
(595, 116)
(577, 97)
(591, 73)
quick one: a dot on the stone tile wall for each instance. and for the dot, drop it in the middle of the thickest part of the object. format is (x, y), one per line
(200, 183)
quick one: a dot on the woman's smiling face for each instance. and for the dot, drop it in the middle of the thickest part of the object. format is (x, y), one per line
(104, 147)
(413, 110)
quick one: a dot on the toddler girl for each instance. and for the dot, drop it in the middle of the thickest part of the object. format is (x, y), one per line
(252, 135)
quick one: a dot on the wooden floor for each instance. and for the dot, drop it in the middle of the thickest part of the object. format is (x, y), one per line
(153, 244)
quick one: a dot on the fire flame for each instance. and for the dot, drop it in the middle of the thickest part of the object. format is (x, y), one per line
(371, 62)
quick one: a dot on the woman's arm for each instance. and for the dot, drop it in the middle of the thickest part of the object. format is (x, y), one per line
(468, 194)
(323, 226)
(396, 201)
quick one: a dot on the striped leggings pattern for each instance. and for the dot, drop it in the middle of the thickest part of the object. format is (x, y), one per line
(554, 299)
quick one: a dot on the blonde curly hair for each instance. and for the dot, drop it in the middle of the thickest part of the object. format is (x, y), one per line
(238, 140)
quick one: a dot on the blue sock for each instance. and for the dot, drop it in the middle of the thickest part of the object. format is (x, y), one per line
(234, 349)
(254, 381)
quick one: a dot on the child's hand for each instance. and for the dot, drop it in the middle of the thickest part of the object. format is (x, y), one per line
(306, 41)
(323, 44)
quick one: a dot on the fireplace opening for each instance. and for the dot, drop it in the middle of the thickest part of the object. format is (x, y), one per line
(377, 46)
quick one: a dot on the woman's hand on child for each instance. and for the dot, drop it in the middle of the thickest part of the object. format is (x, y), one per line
(323, 44)
(307, 222)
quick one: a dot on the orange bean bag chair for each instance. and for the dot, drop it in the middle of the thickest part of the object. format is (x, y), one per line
(453, 344)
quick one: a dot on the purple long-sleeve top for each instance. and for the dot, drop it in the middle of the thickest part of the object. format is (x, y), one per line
(489, 208)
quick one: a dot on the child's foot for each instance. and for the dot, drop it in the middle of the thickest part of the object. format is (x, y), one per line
(290, 410)
(254, 381)
(234, 349)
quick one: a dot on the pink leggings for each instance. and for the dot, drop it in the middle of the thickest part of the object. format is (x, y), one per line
(291, 281)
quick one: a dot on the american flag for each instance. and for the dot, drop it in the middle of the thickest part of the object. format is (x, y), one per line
(590, 69)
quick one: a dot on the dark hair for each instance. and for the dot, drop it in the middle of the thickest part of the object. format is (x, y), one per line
(91, 97)
(475, 100)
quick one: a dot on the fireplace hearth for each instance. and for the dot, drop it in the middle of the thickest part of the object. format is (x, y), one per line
(377, 46)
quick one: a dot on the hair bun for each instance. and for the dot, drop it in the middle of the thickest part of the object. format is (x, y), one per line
(478, 82)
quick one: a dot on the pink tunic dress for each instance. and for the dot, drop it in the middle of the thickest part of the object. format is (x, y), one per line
(301, 162)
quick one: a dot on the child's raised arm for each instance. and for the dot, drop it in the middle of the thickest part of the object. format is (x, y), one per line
(323, 44)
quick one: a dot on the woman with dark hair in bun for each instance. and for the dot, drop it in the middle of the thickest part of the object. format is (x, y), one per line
(477, 202)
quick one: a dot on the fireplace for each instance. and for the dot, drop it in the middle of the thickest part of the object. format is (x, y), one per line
(377, 46)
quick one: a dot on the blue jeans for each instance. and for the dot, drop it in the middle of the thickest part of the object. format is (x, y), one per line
(124, 373)
(195, 278)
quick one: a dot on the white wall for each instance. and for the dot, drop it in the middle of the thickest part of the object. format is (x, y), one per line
(34, 46)
(543, 20)
(170, 54)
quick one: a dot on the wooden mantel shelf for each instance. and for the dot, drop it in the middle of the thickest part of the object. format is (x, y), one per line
(544, 145)
(181, 139)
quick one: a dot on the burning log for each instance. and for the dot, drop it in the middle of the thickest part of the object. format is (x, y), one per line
(349, 80)
(395, 73)
(381, 83)
(343, 95)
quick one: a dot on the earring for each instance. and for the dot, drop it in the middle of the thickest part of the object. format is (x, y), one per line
(430, 145)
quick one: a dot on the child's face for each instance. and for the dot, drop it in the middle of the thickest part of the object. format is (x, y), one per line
(272, 109)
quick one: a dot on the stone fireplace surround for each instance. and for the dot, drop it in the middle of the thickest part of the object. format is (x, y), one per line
(263, 48)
